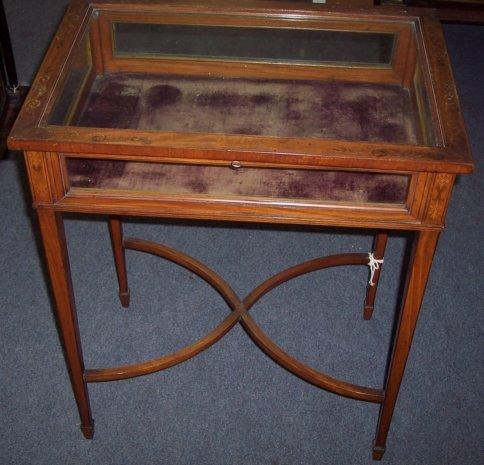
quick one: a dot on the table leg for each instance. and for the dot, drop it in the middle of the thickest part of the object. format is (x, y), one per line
(423, 249)
(379, 245)
(54, 242)
(116, 232)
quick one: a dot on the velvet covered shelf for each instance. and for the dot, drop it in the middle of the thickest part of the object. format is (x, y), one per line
(280, 108)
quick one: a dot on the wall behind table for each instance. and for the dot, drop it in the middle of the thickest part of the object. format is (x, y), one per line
(32, 23)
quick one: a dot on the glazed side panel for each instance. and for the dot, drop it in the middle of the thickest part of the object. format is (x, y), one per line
(424, 207)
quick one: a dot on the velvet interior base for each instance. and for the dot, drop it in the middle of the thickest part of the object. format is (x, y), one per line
(312, 109)
(222, 181)
(301, 109)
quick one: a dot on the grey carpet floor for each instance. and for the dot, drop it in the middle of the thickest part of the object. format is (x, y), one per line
(231, 404)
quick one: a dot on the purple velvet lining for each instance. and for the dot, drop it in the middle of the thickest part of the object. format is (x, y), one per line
(302, 109)
(224, 182)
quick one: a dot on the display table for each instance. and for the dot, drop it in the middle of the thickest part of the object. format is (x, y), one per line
(269, 113)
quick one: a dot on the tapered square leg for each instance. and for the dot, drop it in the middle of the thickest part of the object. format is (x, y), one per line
(379, 246)
(88, 431)
(116, 232)
(378, 452)
(54, 243)
(423, 250)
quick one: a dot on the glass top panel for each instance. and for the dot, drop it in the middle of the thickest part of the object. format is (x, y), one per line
(332, 101)
(277, 108)
(255, 44)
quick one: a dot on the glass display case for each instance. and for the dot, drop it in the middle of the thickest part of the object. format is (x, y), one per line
(250, 112)
(302, 86)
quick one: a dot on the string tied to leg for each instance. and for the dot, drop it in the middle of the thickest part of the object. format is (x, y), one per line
(374, 265)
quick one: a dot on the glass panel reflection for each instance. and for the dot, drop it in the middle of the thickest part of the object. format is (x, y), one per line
(277, 108)
(238, 182)
(66, 106)
(304, 46)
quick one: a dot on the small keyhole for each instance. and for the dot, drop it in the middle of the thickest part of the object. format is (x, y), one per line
(236, 165)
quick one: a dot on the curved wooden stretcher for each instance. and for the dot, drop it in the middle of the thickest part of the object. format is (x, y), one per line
(240, 314)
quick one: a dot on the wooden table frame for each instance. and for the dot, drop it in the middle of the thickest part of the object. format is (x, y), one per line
(433, 171)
